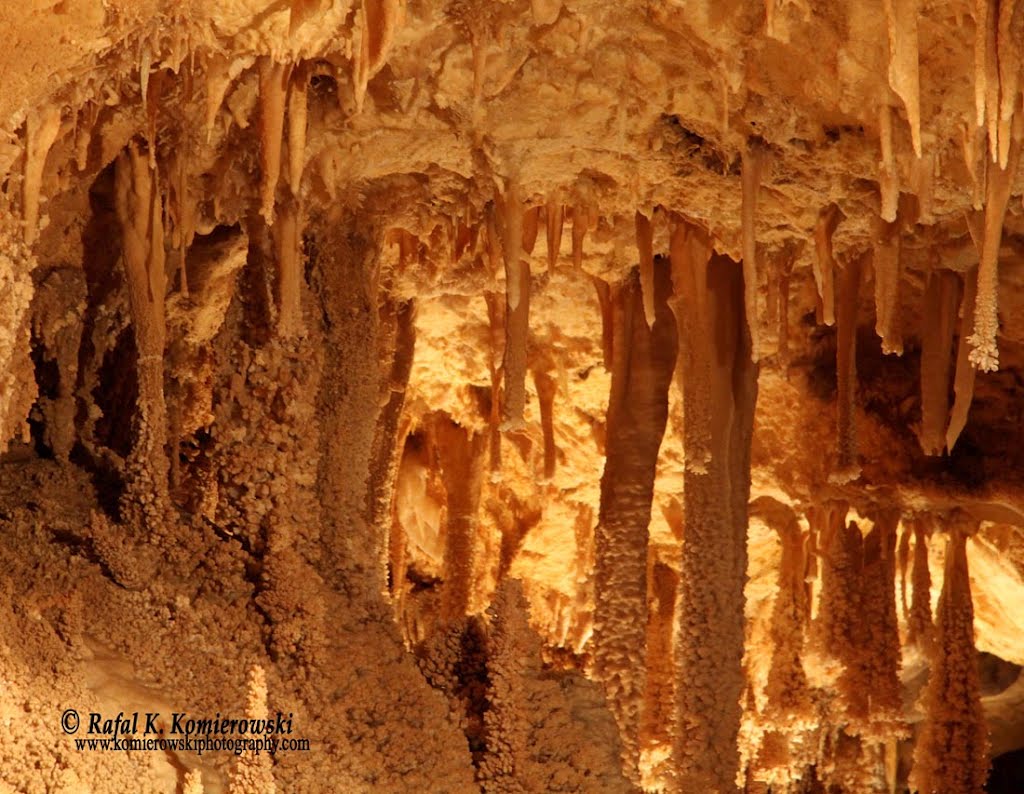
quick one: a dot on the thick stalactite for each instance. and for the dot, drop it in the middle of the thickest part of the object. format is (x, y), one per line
(719, 386)
(643, 360)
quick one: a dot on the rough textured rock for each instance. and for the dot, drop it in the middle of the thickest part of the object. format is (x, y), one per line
(717, 488)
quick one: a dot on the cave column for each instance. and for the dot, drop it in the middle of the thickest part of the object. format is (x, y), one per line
(719, 387)
(642, 360)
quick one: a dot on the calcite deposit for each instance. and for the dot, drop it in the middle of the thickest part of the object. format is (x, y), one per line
(514, 395)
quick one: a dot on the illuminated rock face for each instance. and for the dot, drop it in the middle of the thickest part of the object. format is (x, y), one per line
(526, 396)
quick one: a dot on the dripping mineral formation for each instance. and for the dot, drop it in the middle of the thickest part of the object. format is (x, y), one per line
(524, 395)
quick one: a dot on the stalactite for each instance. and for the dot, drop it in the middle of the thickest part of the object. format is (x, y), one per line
(41, 128)
(517, 314)
(297, 111)
(547, 388)
(399, 318)
(719, 386)
(140, 211)
(951, 752)
(273, 88)
(643, 360)
(512, 244)
(981, 73)
(785, 271)
(379, 21)
(554, 219)
(154, 99)
(645, 247)
(963, 380)
(940, 302)
(919, 621)
(288, 237)
(991, 81)
(145, 67)
(496, 340)
(1009, 35)
(888, 174)
(753, 160)
(998, 183)
(604, 300)
(218, 79)
(531, 227)
(888, 269)
(903, 558)
(846, 368)
(580, 222)
(460, 452)
(825, 263)
(904, 70)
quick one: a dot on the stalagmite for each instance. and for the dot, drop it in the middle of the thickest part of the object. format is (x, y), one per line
(41, 130)
(140, 211)
(645, 246)
(460, 451)
(554, 219)
(837, 630)
(951, 752)
(517, 313)
(998, 183)
(787, 694)
(824, 262)
(846, 368)
(659, 695)
(288, 237)
(880, 657)
(510, 648)
(253, 772)
(719, 386)
(902, 16)
(297, 111)
(888, 175)
(888, 275)
(643, 360)
(752, 166)
(940, 302)
(919, 621)
(963, 380)
(273, 88)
